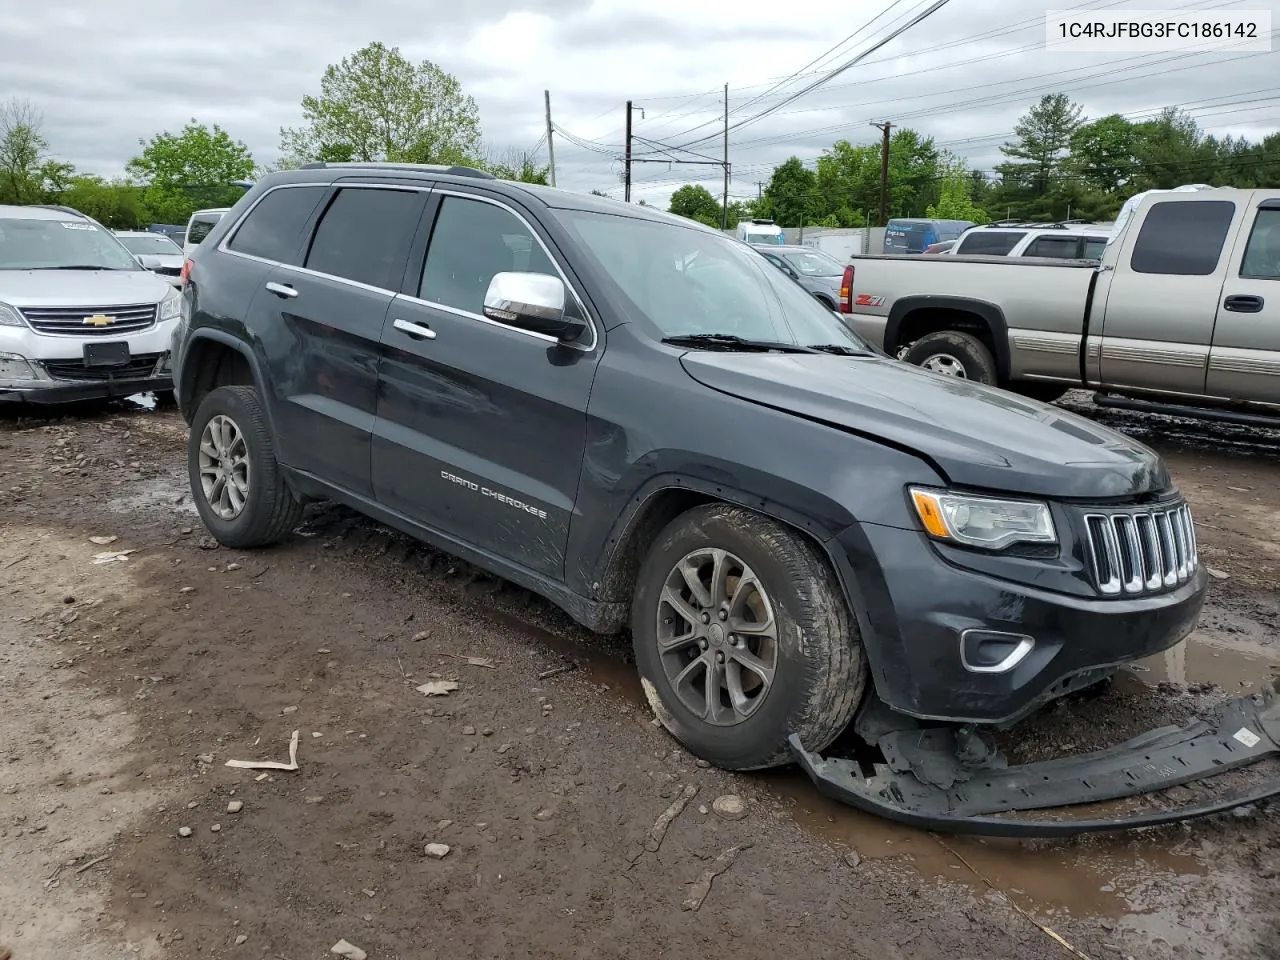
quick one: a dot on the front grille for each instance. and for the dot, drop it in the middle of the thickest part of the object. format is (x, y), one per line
(71, 321)
(1134, 552)
(139, 366)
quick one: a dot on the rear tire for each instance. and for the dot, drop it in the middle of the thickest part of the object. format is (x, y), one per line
(236, 483)
(800, 671)
(954, 354)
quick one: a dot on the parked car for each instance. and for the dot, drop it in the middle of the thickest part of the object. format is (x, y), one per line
(80, 319)
(1061, 241)
(198, 227)
(942, 247)
(632, 415)
(760, 232)
(816, 272)
(914, 235)
(1180, 316)
(155, 251)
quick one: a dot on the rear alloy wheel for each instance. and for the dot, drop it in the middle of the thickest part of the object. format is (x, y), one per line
(236, 483)
(742, 637)
(954, 354)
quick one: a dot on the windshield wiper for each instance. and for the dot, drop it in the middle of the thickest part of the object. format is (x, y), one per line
(839, 350)
(730, 342)
(78, 266)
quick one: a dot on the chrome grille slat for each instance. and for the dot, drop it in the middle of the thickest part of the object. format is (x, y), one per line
(70, 321)
(1136, 552)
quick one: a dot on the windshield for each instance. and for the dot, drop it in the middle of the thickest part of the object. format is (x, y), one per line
(60, 244)
(815, 264)
(156, 245)
(687, 281)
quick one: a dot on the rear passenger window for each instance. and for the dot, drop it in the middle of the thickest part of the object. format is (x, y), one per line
(1066, 248)
(472, 241)
(200, 228)
(365, 234)
(989, 244)
(1182, 238)
(1094, 247)
(273, 229)
(1262, 255)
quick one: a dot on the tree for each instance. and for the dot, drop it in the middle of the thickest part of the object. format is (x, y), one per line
(518, 165)
(118, 204)
(23, 153)
(195, 168)
(1044, 139)
(1102, 153)
(377, 105)
(696, 202)
(955, 200)
(790, 197)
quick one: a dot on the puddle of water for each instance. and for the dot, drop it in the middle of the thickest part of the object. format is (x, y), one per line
(1239, 668)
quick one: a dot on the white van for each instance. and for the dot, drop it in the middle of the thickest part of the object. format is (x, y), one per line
(198, 227)
(759, 231)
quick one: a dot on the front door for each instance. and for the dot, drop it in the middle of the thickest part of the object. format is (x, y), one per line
(481, 427)
(1244, 363)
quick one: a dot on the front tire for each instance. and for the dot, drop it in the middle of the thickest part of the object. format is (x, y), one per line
(954, 354)
(236, 483)
(742, 637)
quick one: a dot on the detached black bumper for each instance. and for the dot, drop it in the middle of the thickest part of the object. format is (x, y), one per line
(80, 390)
(946, 780)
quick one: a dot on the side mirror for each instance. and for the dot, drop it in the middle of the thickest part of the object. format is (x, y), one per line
(531, 301)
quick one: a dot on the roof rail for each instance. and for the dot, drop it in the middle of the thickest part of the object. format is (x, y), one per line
(452, 170)
(60, 208)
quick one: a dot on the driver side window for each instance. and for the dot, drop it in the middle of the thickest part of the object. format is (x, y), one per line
(472, 240)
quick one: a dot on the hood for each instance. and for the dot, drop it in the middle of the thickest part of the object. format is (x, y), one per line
(80, 288)
(976, 436)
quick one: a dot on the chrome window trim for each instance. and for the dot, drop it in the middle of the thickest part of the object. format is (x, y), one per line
(586, 348)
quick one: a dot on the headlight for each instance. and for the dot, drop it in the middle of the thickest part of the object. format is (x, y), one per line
(9, 317)
(14, 367)
(982, 521)
(170, 306)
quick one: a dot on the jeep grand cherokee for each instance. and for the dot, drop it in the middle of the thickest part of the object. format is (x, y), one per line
(646, 423)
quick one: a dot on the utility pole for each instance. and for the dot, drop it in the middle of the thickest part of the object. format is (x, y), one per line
(626, 194)
(724, 214)
(551, 148)
(759, 189)
(885, 127)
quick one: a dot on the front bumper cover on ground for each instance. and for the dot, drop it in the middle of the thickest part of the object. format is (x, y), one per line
(949, 780)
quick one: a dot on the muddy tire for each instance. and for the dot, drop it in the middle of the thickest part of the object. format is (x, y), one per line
(236, 483)
(742, 637)
(954, 354)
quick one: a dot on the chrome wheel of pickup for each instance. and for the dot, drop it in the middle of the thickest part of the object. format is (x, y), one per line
(947, 365)
(717, 637)
(224, 467)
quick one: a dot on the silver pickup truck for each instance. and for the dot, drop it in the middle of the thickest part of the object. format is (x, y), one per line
(1181, 316)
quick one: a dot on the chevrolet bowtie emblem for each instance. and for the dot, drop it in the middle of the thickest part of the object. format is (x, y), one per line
(98, 320)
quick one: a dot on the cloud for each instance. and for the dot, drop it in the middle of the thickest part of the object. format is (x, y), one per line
(104, 81)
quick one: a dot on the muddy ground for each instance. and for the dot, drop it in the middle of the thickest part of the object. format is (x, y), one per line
(126, 685)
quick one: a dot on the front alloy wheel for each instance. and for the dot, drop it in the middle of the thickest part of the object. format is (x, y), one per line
(224, 467)
(717, 637)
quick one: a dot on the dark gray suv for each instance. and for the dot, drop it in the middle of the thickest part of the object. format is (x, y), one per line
(643, 421)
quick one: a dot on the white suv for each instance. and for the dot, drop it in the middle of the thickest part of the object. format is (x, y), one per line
(1067, 240)
(80, 318)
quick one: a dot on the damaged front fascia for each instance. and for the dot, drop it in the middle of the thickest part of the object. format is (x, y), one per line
(950, 780)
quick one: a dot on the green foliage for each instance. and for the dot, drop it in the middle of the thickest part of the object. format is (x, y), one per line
(791, 196)
(24, 162)
(189, 170)
(696, 202)
(955, 196)
(117, 204)
(520, 166)
(1044, 142)
(377, 105)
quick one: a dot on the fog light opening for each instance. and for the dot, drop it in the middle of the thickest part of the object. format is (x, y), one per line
(991, 651)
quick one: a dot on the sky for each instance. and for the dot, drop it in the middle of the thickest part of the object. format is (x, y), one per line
(104, 75)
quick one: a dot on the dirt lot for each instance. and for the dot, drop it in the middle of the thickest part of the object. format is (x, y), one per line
(128, 684)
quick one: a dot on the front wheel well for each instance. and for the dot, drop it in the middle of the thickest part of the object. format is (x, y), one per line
(926, 320)
(209, 365)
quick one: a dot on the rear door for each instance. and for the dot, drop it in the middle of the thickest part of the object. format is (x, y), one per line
(326, 321)
(1164, 295)
(481, 427)
(1244, 361)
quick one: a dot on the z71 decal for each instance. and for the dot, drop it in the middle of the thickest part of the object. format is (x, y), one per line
(867, 300)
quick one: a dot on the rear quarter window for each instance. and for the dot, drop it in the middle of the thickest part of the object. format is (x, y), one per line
(200, 228)
(273, 229)
(1182, 238)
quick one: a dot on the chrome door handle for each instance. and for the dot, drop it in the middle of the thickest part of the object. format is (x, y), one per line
(414, 330)
(282, 290)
